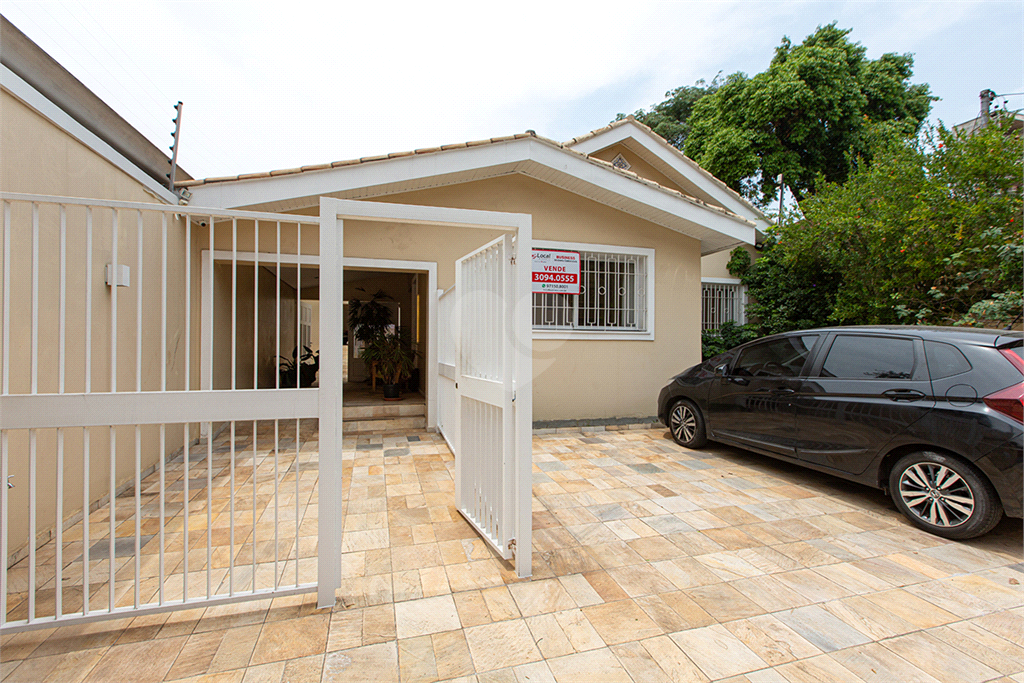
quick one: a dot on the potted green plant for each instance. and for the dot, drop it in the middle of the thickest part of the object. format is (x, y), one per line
(304, 367)
(393, 358)
(369, 318)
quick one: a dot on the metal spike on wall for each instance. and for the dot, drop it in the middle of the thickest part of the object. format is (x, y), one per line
(174, 148)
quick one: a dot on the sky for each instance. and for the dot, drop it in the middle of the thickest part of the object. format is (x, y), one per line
(272, 85)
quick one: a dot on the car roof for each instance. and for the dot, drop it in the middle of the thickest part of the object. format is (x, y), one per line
(969, 335)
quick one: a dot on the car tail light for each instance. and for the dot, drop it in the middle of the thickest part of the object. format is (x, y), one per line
(1009, 402)
(1011, 355)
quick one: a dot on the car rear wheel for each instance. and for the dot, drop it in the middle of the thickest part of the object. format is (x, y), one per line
(687, 425)
(944, 495)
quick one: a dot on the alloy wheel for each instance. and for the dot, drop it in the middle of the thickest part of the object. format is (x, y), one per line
(936, 494)
(684, 423)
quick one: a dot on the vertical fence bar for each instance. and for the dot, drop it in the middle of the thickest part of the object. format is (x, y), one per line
(231, 507)
(31, 526)
(209, 510)
(35, 298)
(61, 334)
(276, 447)
(58, 580)
(277, 385)
(3, 506)
(234, 301)
(88, 304)
(253, 538)
(138, 388)
(298, 380)
(113, 389)
(4, 389)
(85, 520)
(162, 455)
(184, 508)
(113, 513)
(188, 304)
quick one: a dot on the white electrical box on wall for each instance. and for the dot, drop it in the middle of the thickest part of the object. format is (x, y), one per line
(117, 275)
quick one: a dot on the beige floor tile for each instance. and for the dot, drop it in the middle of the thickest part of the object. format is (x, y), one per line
(909, 607)
(578, 630)
(693, 614)
(728, 566)
(641, 579)
(812, 586)
(596, 666)
(346, 630)
(821, 669)
(639, 663)
(472, 608)
(303, 670)
(991, 650)
(605, 586)
(428, 615)
(618, 622)
(535, 672)
(264, 673)
(771, 640)
(936, 658)
(875, 664)
(137, 661)
(416, 659)
(1004, 597)
(724, 602)
(717, 653)
(501, 644)
(377, 663)
(580, 590)
(1008, 625)
(379, 624)
(500, 603)
(676, 665)
(232, 615)
(549, 636)
(451, 654)
(292, 639)
(72, 667)
(948, 597)
(770, 593)
(541, 597)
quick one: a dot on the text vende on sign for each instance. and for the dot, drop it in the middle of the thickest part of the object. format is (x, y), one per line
(556, 271)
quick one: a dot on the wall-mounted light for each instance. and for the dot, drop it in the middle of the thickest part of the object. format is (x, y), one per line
(118, 275)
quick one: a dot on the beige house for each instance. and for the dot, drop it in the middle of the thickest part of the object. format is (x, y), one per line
(113, 286)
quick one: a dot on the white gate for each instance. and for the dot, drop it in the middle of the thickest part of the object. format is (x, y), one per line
(112, 503)
(485, 462)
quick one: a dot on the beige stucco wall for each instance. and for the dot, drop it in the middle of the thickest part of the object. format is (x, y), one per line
(38, 157)
(636, 165)
(717, 265)
(579, 378)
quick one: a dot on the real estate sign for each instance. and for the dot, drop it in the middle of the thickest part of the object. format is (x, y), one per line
(556, 271)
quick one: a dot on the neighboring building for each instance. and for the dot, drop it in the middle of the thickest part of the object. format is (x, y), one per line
(988, 115)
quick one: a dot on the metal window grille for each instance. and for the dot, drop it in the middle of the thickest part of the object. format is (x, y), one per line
(721, 303)
(613, 296)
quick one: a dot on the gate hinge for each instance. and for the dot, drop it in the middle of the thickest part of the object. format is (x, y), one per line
(512, 545)
(513, 396)
(512, 260)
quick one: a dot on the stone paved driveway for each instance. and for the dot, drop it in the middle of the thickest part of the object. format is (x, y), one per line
(652, 563)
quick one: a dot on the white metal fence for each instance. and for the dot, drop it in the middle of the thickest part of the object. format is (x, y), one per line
(721, 303)
(447, 357)
(143, 470)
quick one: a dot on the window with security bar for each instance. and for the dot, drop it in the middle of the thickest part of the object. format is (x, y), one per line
(613, 296)
(722, 303)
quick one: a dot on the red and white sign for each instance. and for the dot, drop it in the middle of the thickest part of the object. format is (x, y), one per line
(556, 271)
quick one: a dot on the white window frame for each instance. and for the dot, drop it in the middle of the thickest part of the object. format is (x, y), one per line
(605, 335)
(741, 293)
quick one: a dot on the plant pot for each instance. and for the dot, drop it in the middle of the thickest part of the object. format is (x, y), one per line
(391, 392)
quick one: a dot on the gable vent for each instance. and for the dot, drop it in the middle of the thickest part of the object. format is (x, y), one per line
(620, 162)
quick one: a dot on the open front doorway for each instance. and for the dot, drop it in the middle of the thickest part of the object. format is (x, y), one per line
(392, 303)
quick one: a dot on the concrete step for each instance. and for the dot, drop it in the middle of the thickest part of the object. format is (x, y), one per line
(382, 425)
(387, 410)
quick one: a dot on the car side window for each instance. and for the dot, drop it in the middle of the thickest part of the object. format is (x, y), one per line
(863, 357)
(776, 358)
(944, 360)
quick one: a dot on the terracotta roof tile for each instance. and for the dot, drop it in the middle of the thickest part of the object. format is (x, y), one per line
(286, 171)
(379, 157)
(346, 162)
(396, 155)
(316, 167)
(248, 176)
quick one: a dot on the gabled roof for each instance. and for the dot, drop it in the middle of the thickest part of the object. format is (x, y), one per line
(716, 227)
(678, 167)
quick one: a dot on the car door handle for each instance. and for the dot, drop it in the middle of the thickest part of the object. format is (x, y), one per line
(903, 394)
(784, 390)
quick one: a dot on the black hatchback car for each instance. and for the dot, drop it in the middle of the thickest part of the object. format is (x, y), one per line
(933, 415)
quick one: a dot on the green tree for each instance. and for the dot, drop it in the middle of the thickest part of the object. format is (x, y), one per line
(803, 117)
(787, 291)
(928, 232)
(670, 119)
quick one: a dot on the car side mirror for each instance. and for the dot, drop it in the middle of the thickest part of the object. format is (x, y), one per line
(720, 370)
